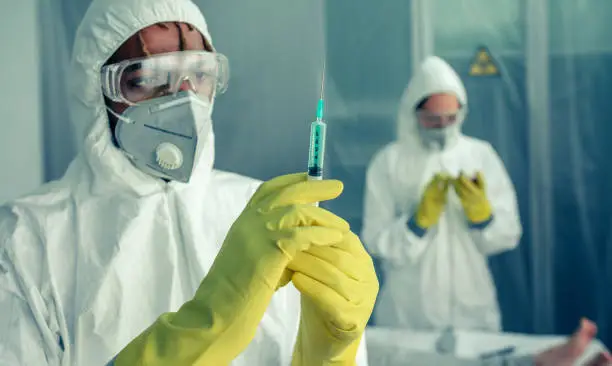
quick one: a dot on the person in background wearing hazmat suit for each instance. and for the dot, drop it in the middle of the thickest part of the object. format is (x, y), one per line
(437, 203)
(143, 254)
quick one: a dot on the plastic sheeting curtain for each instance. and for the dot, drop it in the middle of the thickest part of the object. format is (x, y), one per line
(501, 114)
(580, 87)
(546, 115)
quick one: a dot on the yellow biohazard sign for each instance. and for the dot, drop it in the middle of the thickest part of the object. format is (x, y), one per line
(484, 64)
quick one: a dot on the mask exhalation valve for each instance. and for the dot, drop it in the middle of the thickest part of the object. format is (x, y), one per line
(168, 156)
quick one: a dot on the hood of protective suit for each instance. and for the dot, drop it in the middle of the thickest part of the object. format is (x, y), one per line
(105, 27)
(433, 76)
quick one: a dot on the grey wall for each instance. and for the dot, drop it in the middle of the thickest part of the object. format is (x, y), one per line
(20, 137)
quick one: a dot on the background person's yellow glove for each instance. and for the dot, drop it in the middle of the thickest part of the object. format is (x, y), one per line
(221, 320)
(473, 196)
(339, 288)
(433, 202)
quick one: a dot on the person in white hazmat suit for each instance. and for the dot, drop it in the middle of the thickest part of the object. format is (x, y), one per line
(142, 254)
(437, 203)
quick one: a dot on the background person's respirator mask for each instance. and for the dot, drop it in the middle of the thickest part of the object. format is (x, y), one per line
(164, 135)
(438, 137)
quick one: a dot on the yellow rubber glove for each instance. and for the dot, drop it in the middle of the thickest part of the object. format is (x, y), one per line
(433, 202)
(473, 196)
(221, 320)
(339, 287)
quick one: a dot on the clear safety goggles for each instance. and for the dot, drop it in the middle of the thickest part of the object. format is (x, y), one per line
(436, 120)
(136, 80)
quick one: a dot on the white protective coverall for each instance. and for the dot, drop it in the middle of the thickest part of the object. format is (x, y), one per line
(90, 261)
(442, 278)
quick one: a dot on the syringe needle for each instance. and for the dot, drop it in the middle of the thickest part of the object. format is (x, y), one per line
(323, 81)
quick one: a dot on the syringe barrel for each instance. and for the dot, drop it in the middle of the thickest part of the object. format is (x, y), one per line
(316, 152)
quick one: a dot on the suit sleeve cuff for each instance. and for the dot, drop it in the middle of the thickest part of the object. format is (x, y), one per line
(481, 225)
(415, 228)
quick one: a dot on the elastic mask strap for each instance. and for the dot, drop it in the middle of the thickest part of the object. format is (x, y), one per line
(120, 117)
(192, 96)
(203, 103)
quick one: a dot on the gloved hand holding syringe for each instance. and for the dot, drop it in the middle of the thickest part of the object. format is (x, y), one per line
(318, 130)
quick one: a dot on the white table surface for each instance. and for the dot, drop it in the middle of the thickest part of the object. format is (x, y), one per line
(391, 347)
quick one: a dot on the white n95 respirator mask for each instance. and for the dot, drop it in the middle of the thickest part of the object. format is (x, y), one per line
(164, 136)
(439, 138)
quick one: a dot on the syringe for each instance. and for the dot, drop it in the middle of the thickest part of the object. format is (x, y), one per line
(318, 130)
